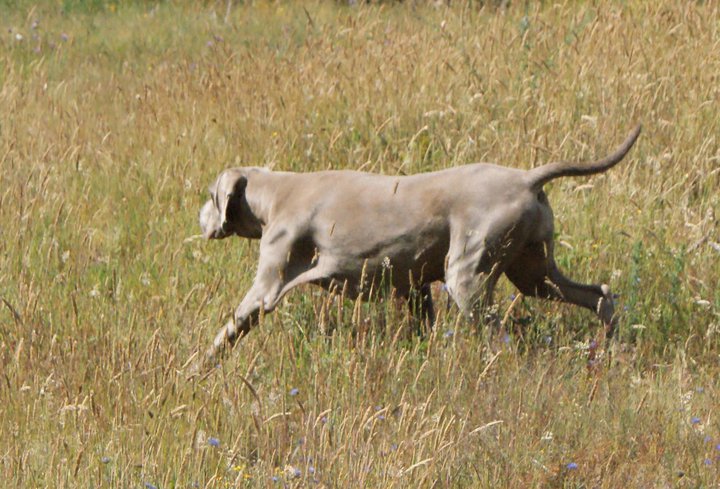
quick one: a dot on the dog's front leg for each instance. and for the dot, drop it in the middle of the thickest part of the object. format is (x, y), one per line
(259, 297)
(278, 272)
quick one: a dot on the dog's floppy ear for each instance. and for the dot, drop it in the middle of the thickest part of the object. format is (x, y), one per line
(227, 191)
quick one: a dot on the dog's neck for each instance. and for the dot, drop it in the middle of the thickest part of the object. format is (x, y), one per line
(258, 193)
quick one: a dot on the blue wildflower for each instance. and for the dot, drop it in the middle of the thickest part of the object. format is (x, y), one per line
(297, 472)
(150, 486)
(707, 461)
(213, 442)
(311, 469)
(449, 333)
(571, 466)
(294, 391)
(695, 420)
(105, 460)
(275, 478)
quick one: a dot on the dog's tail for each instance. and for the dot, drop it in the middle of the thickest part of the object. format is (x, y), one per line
(537, 177)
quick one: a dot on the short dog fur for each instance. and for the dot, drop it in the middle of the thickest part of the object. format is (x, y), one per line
(465, 226)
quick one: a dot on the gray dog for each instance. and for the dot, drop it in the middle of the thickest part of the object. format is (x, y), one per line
(344, 230)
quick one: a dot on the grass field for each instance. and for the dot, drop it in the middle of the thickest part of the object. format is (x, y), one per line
(116, 116)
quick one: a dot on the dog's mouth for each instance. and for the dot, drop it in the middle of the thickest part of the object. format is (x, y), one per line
(210, 222)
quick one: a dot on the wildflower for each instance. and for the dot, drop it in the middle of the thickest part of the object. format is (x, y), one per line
(571, 466)
(150, 486)
(294, 391)
(707, 439)
(105, 460)
(506, 338)
(213, 442)
(297, 472)
(717, 447)
(275, 478)
(449, 333)
(699, 390)
(707, 461)
(311, 469)
(695, 420)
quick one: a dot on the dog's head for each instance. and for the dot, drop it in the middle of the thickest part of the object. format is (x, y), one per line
(227, 211)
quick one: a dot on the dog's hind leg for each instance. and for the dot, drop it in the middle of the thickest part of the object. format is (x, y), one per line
(535, 273)
(470, 280)
(421, 307)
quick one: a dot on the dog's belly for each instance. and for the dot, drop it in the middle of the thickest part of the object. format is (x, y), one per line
(401, 263)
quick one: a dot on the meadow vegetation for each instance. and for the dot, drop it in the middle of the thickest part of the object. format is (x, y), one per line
(116, 116)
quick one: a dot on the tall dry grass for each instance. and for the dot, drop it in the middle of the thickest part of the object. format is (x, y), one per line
(116, 116)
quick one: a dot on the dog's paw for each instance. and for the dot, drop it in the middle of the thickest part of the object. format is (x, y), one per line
(606, 311)
(199, 366)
